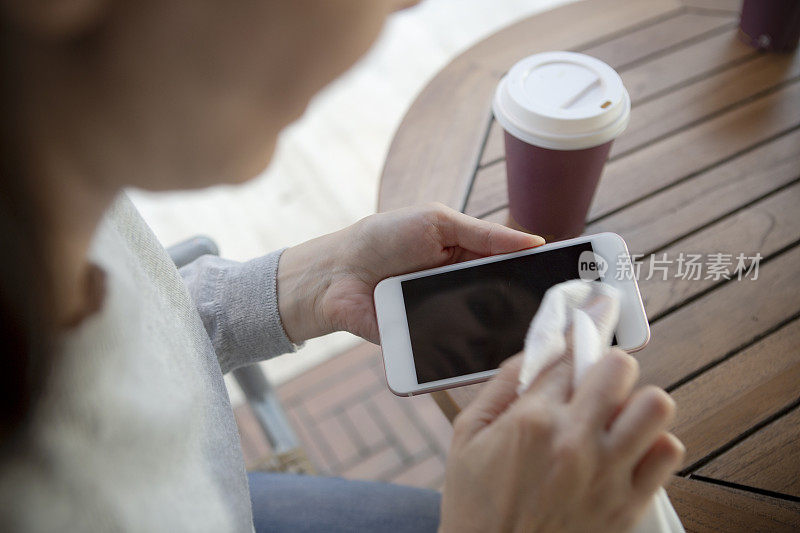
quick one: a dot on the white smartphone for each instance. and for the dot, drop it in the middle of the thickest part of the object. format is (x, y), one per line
(453, 325)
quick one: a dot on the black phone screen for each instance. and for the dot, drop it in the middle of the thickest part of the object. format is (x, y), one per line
(471, 320)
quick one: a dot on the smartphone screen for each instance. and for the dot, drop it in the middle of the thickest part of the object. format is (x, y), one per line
(470, 320)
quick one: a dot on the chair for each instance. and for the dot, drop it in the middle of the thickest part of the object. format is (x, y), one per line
(287, 453)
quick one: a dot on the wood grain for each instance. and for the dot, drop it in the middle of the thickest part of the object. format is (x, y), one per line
(693, 103)
(706, 508)
(649, 225)
(765, 227)
(718, 406)
(575, 26)
(767, 460)
(685, 65)
(717, 324)
(638, 45)
(678, 157)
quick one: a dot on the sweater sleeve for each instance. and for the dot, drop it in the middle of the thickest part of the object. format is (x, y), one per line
(238, 303)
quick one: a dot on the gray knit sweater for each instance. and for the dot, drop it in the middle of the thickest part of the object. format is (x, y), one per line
(136, 431)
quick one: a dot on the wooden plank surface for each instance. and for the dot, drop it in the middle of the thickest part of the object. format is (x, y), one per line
(721, 322)
(644, 42)
(575, 26)
(684, 65)
(653, 223)
(678, 157)
(689, 104)
(719, 406)
(767, 460)
(706, 508)
(766, 227)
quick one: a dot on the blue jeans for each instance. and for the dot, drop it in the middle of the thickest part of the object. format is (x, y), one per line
(297, 504)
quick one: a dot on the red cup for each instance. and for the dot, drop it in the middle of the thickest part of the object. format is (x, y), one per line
(550, 191)
(561, 112)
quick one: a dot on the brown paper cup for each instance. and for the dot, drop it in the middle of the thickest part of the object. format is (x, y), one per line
(561, 112)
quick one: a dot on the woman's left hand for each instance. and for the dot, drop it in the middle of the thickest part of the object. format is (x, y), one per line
(326, 284)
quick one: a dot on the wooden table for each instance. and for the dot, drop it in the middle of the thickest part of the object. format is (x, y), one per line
(709, 163)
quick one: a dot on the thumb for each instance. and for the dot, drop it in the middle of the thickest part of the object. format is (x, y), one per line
(493, 399)
(482, 237)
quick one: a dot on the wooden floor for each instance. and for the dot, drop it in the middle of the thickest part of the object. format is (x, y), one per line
(709, 164)
(351, 426)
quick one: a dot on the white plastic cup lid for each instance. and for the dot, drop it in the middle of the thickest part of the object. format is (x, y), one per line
(562, 101)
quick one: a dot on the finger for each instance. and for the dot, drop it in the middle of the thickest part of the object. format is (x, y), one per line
(664, 457)
(606, 385)
(641, 421)
(493, 399)
(480, 236)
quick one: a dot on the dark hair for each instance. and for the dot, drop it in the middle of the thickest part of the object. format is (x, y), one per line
(27, 330)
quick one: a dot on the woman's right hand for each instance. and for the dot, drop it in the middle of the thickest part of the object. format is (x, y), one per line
(558, 459)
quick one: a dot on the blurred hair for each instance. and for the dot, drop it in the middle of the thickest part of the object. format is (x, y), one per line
(26, 318)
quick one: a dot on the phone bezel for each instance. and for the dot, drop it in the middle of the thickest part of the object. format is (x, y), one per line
(633, 330)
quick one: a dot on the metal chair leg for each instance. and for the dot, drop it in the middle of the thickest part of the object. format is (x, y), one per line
(288, 454)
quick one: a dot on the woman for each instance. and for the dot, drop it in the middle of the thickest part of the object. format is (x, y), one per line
(114, 412)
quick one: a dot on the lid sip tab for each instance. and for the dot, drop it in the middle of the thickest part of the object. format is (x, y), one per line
(562, 101)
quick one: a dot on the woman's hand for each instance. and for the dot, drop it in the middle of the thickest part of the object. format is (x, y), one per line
(326, 284)
(559, 460)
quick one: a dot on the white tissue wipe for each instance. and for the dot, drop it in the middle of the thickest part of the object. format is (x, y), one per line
(575, 317)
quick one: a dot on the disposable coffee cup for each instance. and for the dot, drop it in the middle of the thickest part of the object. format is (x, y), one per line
(772, 25)
(561, 111)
